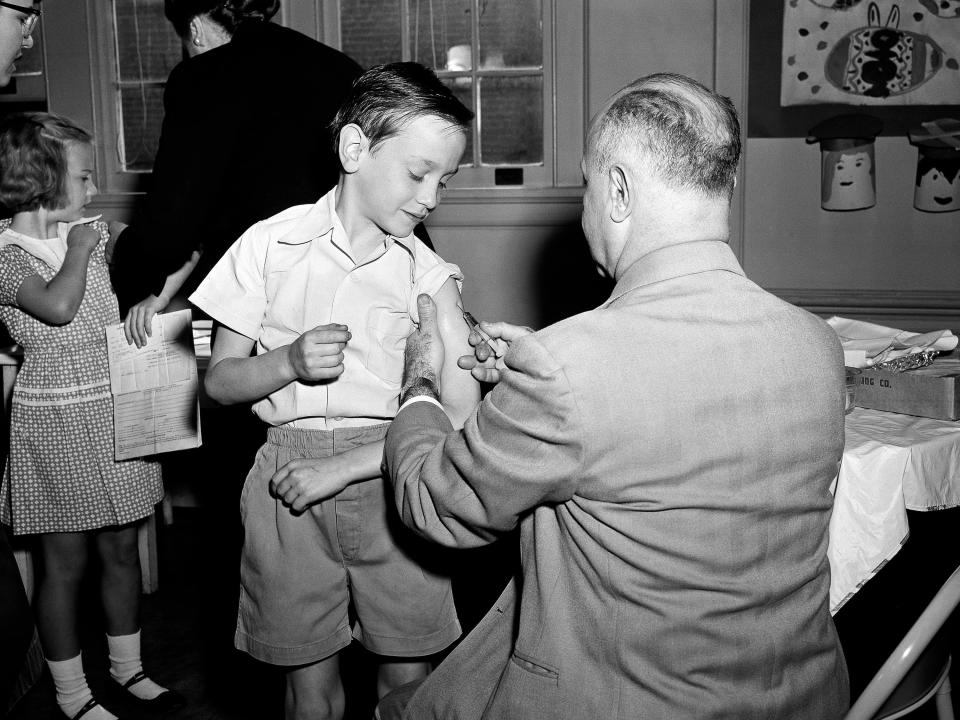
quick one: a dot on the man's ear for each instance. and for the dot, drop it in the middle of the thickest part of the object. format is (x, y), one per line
(352, 147)
(619, 191)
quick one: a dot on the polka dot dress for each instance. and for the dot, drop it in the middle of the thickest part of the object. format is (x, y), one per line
(60, 474)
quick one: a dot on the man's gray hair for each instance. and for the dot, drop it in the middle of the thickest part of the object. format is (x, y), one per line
(680, 131)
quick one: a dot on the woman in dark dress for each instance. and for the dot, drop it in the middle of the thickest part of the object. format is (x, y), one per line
(244, 136)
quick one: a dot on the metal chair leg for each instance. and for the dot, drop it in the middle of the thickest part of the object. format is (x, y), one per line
(944, 701)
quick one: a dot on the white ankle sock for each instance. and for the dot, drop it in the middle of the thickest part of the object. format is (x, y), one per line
(124, 652)
(72, 690)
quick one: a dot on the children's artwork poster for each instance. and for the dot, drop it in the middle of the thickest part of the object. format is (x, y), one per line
(871, 52)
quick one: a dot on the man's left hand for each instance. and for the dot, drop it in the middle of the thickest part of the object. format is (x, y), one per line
(423, 358)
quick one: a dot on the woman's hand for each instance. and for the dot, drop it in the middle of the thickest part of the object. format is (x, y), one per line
(116, 227)
(301, 483)
(138, 325)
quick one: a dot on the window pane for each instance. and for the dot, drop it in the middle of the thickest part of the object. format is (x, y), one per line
(440, 33)
(461, 90)
(511, 122)
(370, 31)
(511, 33)
(147, 46)
(142, 113)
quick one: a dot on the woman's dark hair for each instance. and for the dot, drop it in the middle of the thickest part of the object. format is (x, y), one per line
(386, 98)
(228, 14)
(33, 160)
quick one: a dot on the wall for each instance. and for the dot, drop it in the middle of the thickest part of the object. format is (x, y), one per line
(526, 261)
(522, 253)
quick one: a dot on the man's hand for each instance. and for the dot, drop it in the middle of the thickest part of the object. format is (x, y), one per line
(486, 363)
(318, 353)
(138, 325)
(83, 237)
(301, 483)
(116, 227)
(423, 357)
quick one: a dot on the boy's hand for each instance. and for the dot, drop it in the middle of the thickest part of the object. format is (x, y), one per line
(318, 353)
(83, 237)
(301, 483)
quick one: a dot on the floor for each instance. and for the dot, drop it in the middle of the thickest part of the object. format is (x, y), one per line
(187, 632)
(188, 624)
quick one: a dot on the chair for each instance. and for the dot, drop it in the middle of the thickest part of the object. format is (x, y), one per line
(918, 668)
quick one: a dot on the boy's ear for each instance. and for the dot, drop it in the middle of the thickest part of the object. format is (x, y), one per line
(352, 147)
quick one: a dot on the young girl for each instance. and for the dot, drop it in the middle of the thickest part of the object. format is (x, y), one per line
(61, 480)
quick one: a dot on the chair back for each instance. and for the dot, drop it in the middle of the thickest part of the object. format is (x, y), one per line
(902, 659)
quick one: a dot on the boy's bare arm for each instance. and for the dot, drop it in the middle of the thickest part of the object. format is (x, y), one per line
(56, 302)
(303, 482)
(235, 376)
(459, 391)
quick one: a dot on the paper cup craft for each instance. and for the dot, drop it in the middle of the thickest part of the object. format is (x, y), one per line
(847, 167)
(938, 165)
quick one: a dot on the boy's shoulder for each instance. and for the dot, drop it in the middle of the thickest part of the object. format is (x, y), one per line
(279, 225)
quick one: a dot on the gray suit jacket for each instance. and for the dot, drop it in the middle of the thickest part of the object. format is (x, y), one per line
(668, 457)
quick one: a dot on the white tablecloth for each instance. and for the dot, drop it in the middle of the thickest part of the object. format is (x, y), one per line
(891, 463)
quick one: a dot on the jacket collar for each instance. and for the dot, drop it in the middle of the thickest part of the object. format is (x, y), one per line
(675, 261)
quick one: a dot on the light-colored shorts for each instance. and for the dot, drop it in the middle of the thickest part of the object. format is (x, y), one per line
(300, 573)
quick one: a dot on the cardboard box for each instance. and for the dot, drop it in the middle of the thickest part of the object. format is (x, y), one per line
(932, 391)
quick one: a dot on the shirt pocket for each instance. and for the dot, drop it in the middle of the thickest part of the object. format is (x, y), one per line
(285, 298)
(388, 329)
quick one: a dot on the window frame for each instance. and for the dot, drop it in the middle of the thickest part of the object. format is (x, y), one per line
(481, 177)
(83, 84)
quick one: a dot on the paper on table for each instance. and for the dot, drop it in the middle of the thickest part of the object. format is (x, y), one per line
(866, 344)
(155, 403)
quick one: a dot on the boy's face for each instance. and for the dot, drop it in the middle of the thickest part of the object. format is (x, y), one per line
(79, 183)
(403, 177)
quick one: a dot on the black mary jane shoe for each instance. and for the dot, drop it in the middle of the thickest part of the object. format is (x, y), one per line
(90, 705)
(164, 702)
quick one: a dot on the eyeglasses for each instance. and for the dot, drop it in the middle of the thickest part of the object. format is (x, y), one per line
(29, 22)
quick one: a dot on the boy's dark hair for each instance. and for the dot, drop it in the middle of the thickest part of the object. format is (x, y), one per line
(228, 14)
(33, 160)
(386, 98)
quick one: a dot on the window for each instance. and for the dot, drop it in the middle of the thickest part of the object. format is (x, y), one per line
(489, 52)
(501, 57)
(145, 51)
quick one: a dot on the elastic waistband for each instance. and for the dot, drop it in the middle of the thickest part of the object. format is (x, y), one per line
(301, 439)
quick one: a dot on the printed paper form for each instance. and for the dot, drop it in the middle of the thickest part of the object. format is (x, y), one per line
(155, 402)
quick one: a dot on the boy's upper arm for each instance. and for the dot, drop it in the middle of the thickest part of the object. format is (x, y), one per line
(229, 343)
(459, 392)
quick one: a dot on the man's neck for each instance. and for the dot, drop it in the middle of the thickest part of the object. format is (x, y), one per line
(681, 218)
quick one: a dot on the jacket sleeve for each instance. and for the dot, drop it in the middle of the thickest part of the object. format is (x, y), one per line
(521, 449)
(196, 139)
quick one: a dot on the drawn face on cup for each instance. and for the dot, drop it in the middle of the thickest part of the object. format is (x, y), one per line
(938, 180)
(847, 177)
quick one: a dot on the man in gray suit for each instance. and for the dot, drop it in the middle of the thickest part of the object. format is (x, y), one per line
(668, 458)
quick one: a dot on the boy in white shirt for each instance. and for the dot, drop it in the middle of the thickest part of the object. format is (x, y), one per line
(326, 294)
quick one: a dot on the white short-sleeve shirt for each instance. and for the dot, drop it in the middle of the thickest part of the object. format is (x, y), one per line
(294, 271)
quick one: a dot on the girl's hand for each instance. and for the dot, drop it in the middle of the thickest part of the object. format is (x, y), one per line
(83, 237)
(138, 325)
(301, 483)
